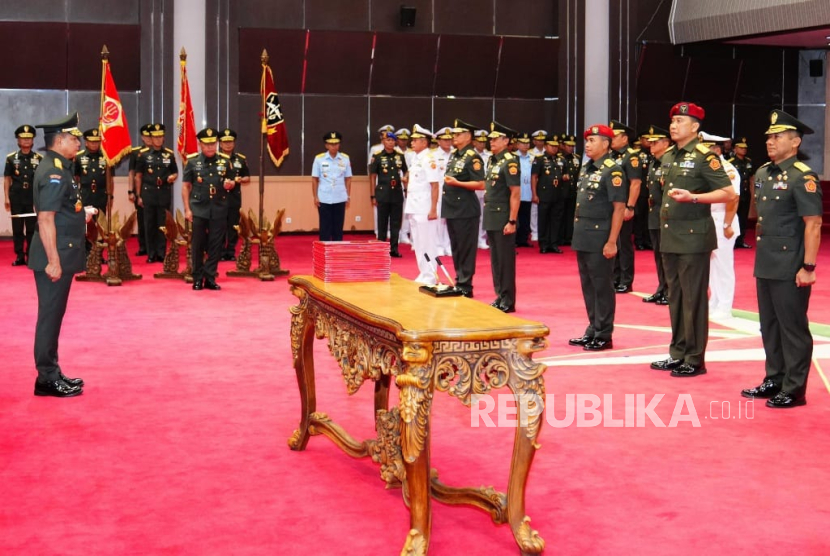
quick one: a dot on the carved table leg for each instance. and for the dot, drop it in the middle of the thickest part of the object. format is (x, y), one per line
(381, 395)
(302, 345)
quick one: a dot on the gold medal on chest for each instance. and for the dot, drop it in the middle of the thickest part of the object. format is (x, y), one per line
(78, 206)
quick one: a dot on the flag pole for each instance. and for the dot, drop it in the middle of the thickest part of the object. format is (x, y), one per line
(105, 54)
(264, 60)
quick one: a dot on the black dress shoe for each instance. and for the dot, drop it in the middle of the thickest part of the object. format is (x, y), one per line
(57, 389)
(598, 345)
(583, 341)
(496, 303)
(785, 400)
(652, 298)
(211, 285)
(544, 250)
(688, 370)
(395, 254)
(640, 247)
(19, 262)
(666, 364)
(767, 389)
(622, 289)
(506, 309)
(140, 253)
(663, 300)
(231, 258)
(743, 245)
(151, 259)
(556, 250)
(197, 285)
(524, 244)
(72, 381)
(466, 293)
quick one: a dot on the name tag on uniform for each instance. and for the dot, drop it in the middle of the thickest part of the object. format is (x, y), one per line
(779, 185)
(687, 164)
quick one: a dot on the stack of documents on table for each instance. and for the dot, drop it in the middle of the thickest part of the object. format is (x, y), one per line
(351, 261)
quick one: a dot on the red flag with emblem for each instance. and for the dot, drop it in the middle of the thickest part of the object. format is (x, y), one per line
(273, 123)
(115, 137)
(186, 124)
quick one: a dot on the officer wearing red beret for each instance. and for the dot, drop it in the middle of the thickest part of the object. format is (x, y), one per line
(693, 179)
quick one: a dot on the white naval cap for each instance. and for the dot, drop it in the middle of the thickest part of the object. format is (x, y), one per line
(540, 134)
(710, 138)
(420, 131)
(386, 128)
(444, 133)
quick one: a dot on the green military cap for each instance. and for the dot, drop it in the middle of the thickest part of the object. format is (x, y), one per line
(92, 134)
(208, 135)
(781, 121)
(619, 128)
(499, 130)
(333, 137)
(460, 126)
(25, 132)
(67, 124)
(523, 137)
(552, 139)
(655, 133)
(145, 129)
(741, 143)
(569, 140)
(157, 130)
(227, 134)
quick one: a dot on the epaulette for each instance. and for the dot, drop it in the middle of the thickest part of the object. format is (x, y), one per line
(223, 155)
(609, 163)
(38, 155)
(82, 151)
(801, 166)
(508, 156)
(242, 156)
(632, 150)
(344, 155)
(765, 165)
(398, 150)
(375, 149)
(144, 149)
(321, 154)
(194, 155)
(168, 150)
(11, 154)
(134, 149)
(670, 149)
(731, 160)
(58, 164)
(703, 149)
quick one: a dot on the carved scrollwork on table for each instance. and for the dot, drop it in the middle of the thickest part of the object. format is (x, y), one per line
(298, 316)
(529, 540)
(415, 398)
(416, 544)
(527, 382)
(386, 450)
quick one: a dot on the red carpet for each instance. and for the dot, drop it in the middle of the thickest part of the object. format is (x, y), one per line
(178, 445)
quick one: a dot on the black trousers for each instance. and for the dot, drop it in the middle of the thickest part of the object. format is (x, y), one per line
(389, 217)
(658, 262)
(208, 236)
(596, 274)
(743, 215)
(463, 234)
(550, 224)
(687, 278)
(523, 224)
(142, 232)
(155, 216)
(232, 235)
(568, 219)
(331, 218)
(785, 331)
(22, 231)
(52, 298)
(503, 266)
(624, 263)
(641, 235)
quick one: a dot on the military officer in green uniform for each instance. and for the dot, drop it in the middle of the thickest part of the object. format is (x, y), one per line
(155, 172)
(17, 184)
(142, 235)
(206, 185)
(548, 193)
(693, 178)
(567, 144)
(746, 170)
(788, 233)
(642, 241)
(629, 160)
(659, 144)
(387, 169)
(240, 174)
(600, 207)
(460, 206)
(57, 251)
(502, 197)
(91, 172)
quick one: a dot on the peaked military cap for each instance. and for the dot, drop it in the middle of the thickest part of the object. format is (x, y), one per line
(227, 134)
(25, 132)
(781, 121)
(208, 135)
(601, 130)
(552, 139)
(419, 131)
(386, 128)
(145, 129)
(540, 135)
(619, 128)
(157, 130)
(480, 135)
(334, 137)
(741, 143)
(67, 124)
(92, 134)
(523, 137)
(403, 133)
(460, 126)
(499, 130)
(569, 140)
(444, 133)
(687, 109)
(655, 133)
(390, 135)
(709, 139)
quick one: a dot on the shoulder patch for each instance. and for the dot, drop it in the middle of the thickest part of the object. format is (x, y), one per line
(801, 166)
(702, 149)
(609, 163)
(714, 163)
(810, 184)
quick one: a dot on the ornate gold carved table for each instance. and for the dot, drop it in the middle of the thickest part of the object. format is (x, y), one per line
(382, 330)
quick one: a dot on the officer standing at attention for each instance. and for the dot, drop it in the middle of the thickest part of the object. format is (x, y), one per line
(525, 207)
(642, 241)
(570, 176)
(373, 150)
(155, 172)
(548, 193)
(660, 143)
(789, 201)
(331, 186)
(501, 209)
(206, 186)
(441, 157)
(600, 207)
(693, 179)
(240, 174)
(386, 188)
(60, 222)
(480, 144)
(142, 234)
(743, 164)
(629, 160)
(422, 204)
(17, 184)
(459, 204)
(91, 172)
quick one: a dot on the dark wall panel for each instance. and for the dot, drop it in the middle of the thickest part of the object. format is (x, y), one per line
(527, 115)
(415, 77)
(467, 66)
(661, 74)
(467, 17)
(44, 65)
(84, 62)
(711, 79)
(386, 16)
(530, 18)
(123, 12)
(399, 112)
(337, 113)
(285, 14)
(478, 112)
(336, 14)
(338, 63)
(286, 49)
(33, 10)
(529, 68)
